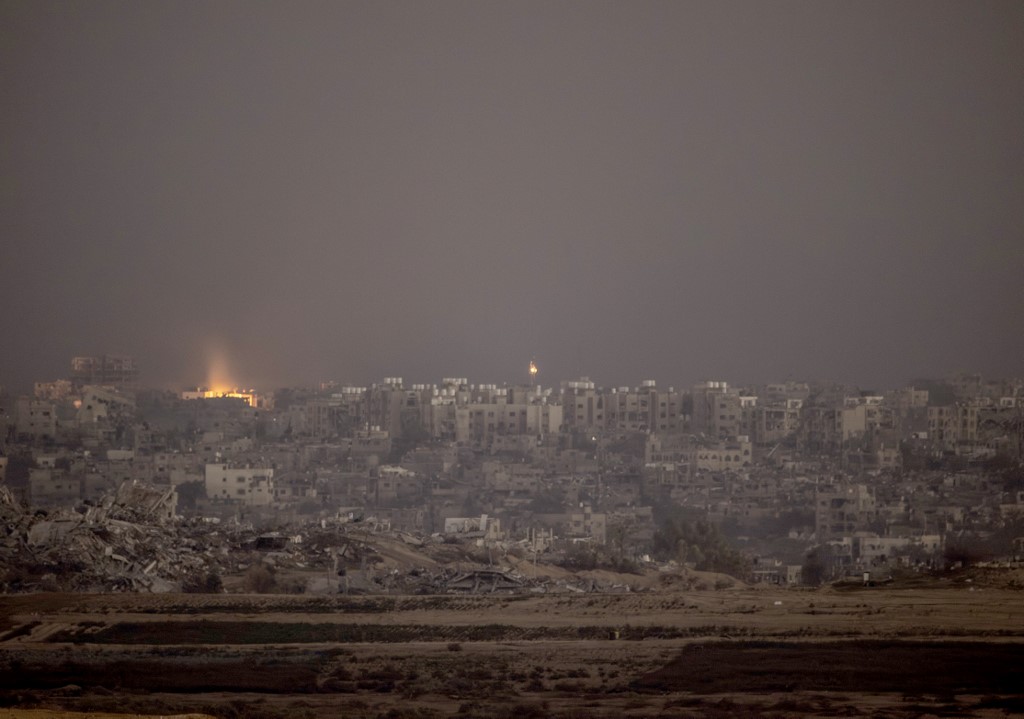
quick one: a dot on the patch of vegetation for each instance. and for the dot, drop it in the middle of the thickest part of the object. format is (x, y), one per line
(698, 542)
(260, 579)
(210, 583)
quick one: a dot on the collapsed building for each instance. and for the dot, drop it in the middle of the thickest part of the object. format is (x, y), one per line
(130, 540)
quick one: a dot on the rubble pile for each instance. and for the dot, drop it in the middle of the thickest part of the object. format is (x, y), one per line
(128, 542)
(131, 540)
(14, 523)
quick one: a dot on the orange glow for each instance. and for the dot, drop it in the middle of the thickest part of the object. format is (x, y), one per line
(218, 376)
(533, 369)
(250, 396)
(218, 379)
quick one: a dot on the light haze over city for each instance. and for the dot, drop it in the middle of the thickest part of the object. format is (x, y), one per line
(667, 190)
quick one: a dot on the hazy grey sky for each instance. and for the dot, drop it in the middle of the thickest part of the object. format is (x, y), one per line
(668, 190)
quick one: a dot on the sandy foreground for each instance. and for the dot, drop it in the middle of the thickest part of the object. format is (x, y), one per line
(951, 647)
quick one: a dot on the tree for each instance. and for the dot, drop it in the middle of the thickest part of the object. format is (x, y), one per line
(818, 565)
(620, 531)
(580, 556)
(260, 579)
(631, 445)
(472, 506)
(412, 435)
(548, 501)
(18, 465)
(211, 583)
(700, 543)
(189, 493)
(964, 552)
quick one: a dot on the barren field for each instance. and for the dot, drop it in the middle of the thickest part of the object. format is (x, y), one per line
(952, 648)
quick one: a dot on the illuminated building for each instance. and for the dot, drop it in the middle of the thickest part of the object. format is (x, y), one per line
(250, 396)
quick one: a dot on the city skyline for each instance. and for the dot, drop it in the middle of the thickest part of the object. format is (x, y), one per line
(673, 191)
(220, 380)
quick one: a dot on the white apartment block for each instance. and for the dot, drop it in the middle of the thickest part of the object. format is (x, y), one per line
(251, 486)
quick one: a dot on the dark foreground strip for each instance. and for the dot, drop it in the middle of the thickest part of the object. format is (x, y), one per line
(867, 666)
(214, 632)
(231, 632)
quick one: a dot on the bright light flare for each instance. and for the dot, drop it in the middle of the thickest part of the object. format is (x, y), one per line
(218, 378)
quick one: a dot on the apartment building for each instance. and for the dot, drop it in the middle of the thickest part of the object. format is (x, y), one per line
(249, 486)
